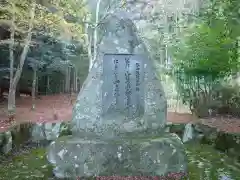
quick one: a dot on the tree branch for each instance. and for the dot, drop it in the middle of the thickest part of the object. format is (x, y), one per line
(17, 42)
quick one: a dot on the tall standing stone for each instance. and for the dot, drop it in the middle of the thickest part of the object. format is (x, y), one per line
(119, 117)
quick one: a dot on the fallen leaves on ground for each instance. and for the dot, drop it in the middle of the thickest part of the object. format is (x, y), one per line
(55, 108)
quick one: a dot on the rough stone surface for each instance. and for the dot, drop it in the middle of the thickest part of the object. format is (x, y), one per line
(132, 156)
(188, 133)
(108, 139)
(47, 131)
(87, 113)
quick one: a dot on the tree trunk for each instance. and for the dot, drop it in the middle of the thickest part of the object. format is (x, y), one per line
(34, 88)
(95, 38)
(12, 90)
(95, 31)
(14, 81)
(88, 39)
(48, 85)
(73, 80)
(67, 80)
(11, 103)
(62, 86)
(76, 80)
(79, 84)
(90, 53)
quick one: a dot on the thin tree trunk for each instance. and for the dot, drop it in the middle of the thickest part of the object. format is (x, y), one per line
(67, 80)
(65, 89)
(95, 35)
(15, 80)
(73, 80)
(90, 53)
(88, 40)
(63, 86)
(79, 84)
(34, 88)
(11, 93)
(76, 80)
(92, 57)
(48, 85)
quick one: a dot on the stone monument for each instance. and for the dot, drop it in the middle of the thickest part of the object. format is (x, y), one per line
(119, 117)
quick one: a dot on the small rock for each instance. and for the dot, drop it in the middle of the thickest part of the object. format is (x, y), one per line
(46, 131)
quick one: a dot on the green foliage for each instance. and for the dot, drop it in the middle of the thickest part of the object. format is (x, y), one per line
(205, 55)
(206, 52)
(56, 39)
(49, 20)
(229, 100)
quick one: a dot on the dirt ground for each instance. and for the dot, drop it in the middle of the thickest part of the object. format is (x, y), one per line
(59, 108)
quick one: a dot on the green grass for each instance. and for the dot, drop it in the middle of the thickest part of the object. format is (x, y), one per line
(205, 163)
(28, 166)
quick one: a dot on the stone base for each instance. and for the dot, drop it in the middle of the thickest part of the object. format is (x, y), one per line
(76, 157)
(49, 131)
